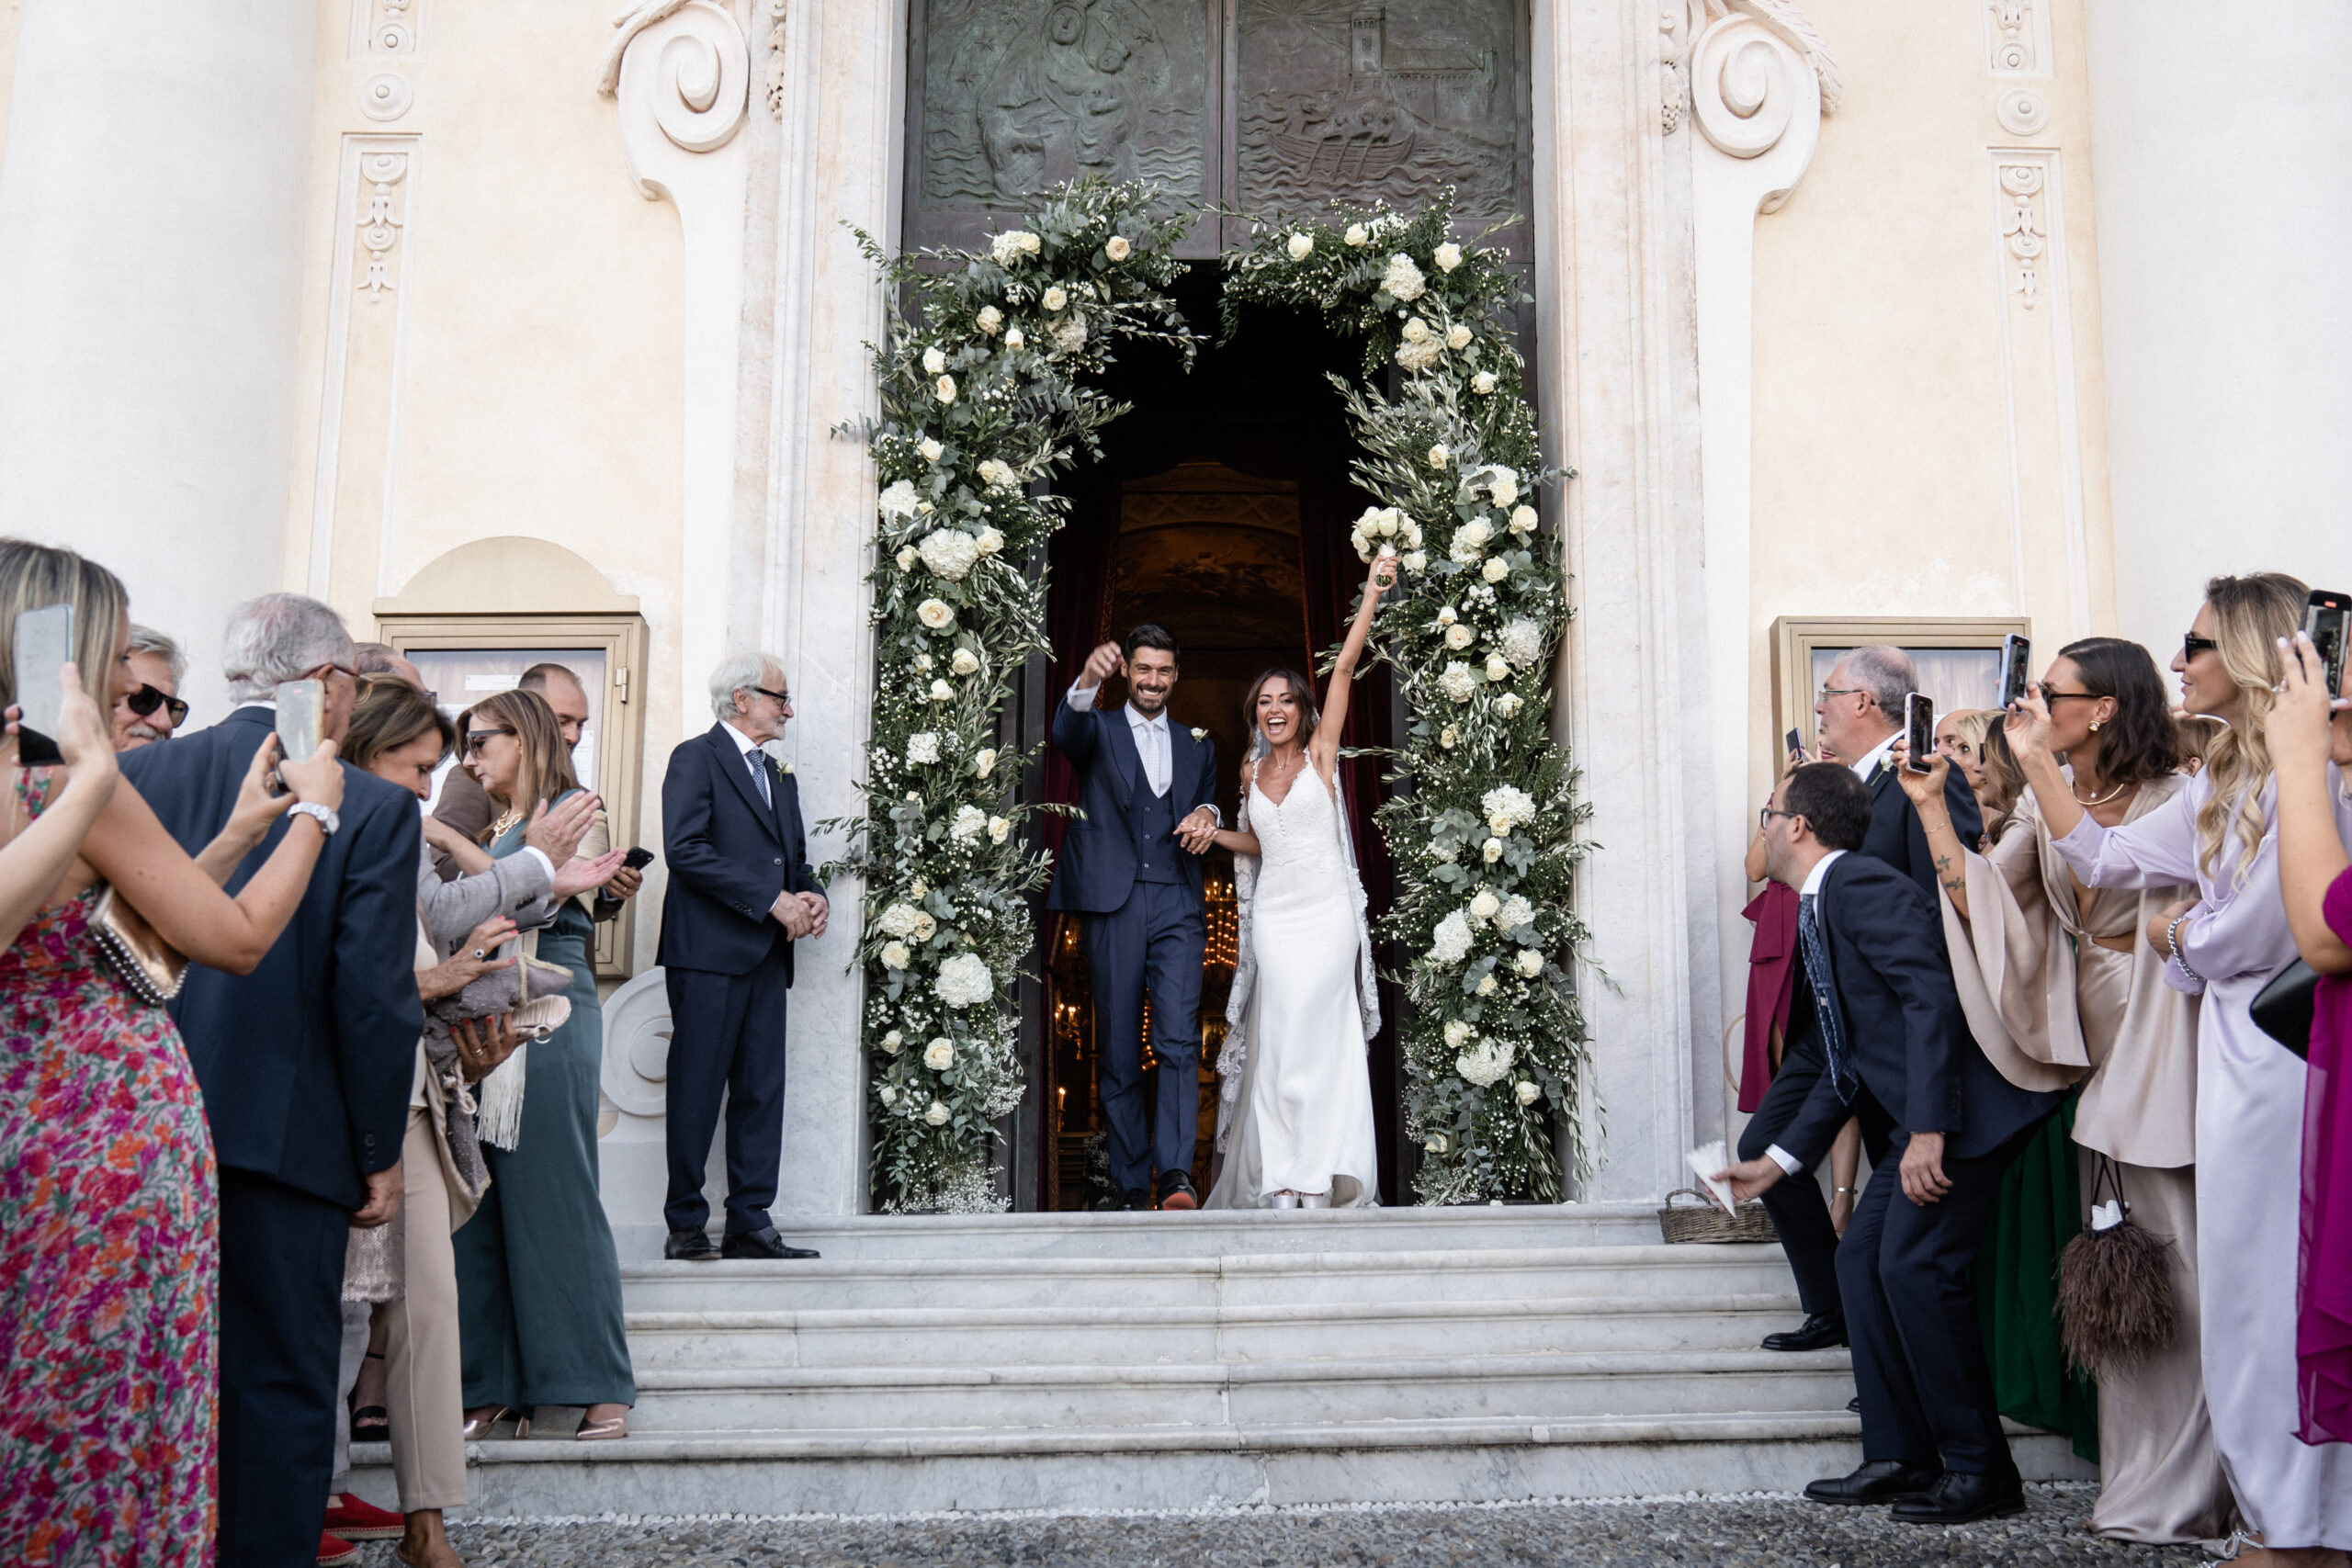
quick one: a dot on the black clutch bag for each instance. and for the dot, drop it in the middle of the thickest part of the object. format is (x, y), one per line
(2283, 1010)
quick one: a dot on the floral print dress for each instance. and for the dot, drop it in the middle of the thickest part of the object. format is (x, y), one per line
(108, 1261)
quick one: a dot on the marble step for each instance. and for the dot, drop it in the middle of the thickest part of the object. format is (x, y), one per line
(1193, 1334)
(1220, 1394)
(1196, 1235)
(1230, 1280)
(878, 1470)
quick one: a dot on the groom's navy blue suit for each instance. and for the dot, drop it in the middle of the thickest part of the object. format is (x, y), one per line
(1145, 927)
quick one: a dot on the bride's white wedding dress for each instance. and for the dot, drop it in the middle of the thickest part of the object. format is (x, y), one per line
(1295, 1112)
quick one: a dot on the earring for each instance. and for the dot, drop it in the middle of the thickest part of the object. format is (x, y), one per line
(2094, 727)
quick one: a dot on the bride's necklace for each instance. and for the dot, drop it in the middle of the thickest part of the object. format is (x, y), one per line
(1273, 771)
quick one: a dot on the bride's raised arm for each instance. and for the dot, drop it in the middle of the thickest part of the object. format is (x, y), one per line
(1323, 746)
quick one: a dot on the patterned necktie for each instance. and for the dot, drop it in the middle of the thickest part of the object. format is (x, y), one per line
(757, 759)
(1825, 997)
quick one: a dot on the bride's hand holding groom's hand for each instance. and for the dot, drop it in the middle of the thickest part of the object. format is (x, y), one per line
(1198, 831)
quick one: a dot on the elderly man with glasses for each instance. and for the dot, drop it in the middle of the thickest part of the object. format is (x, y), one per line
(155, 710)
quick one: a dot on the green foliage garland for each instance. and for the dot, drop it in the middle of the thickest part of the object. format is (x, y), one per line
(1486, 837)
(981, 397)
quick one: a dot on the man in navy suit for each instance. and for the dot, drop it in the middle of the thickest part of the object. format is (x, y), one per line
(1858, 716)
(1901, 1059)
(306, 1066)
(1145, 791)
(740, 894)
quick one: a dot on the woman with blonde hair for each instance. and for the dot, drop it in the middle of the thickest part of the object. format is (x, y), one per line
(538, 1282)
(2219, 833)
(1982, 753)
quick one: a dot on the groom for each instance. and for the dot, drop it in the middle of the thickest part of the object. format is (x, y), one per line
(1144, 790)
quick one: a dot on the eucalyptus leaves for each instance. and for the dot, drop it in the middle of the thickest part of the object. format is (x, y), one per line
(1486, 838)
(980, 396)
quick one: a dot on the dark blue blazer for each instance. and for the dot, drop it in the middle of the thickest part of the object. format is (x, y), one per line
(1096, 869)
(729, 856)
(305, 1063)
(1902, 1018)
(1897, 836)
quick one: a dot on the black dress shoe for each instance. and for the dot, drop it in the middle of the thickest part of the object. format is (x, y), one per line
(1822, 1331)
(1878, 1481)
(761, 1243)
(689, 1246)
(1176, 1191)
(1134, 1199)
(1955, 1499)
(1855, 1404)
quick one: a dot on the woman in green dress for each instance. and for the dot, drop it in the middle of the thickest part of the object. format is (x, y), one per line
(539, 1282)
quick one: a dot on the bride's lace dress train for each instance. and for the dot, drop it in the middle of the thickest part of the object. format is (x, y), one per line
(1301, 1120)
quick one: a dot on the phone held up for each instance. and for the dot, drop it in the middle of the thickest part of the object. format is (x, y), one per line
(637, 859)
(44, 642)
(1919, 728)
(2327, 621)
(301, 716)
(2016, 650)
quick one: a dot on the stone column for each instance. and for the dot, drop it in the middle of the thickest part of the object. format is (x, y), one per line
(152, 212)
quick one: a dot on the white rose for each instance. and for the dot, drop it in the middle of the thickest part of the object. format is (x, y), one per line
(933, 362)
(1000, 829)
(1299, 246)
(899, 920)
(1485, 986)
(1477, 531)
(1457, 1035)
(1527, 1091)
(1030, 243)
(925, 927)
(938, 1113)
(949, 552)
(1495, 569)
(895, 955)
(1356, 235)
(1434, 1142)
(1416, 331)
(1403, 279)
(1054, 299)
(1117, 248)
(1459, 637)
(908, 556)
(996, 473)
(1498, 825)
(920, 888)
(941, 692)
(969, 824)
(1505, 489)
(1439, 457)
(932, 450)
(989, 541)
(1414, 561)
(1530, 963)
(1493, 850)
(1523, 520)
(1447, 615)
(1199, 734)
(990, 319)
(964, 663)
(946, 388)
(1450, 941)
(891, 1042)
(984, 761)
(1449, 255)
(963, 980)
(1483, 905)
(1457, 336)
(1456, 682)
(898, 499)
(1508, 704)
(1446, 738)
(1015, 338)
(940, 1055)
(922, 747)
(889, 1095)
(1498, 668)
(1483, 383)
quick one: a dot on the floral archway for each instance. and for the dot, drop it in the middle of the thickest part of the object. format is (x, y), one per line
(984, 397)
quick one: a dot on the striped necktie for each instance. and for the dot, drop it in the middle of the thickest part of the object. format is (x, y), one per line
(1818, 972)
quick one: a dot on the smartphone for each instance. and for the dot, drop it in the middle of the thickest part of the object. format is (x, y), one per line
(2327, 621)
(301, 713)
(637, 859)
(1919, 722)
(2016, 652)
(44, 642)
(1795, 745)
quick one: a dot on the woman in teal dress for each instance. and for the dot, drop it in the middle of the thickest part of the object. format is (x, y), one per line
(539, 1282)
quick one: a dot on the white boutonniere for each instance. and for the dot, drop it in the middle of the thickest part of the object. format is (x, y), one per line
(1200, 734)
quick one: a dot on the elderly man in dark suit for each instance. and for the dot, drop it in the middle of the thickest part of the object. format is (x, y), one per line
(306, 1066)
(1129, 865)
(1900, 1059)
(740, 894)
(1857, 714)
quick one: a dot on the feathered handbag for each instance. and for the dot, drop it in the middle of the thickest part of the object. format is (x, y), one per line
(2115, 1299)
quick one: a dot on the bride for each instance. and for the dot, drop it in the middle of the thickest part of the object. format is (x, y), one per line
(1294, 1117)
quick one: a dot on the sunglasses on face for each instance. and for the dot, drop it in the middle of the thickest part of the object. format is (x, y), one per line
(147, 699)
(477, 741)
(2191, 644)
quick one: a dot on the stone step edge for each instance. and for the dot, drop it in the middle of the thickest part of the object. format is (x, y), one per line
(981, 1318)
(844, 1443)
(1483, 1216)
(1711, 1254)
(1577, 1364)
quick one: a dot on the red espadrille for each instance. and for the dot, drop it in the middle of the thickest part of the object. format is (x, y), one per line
(353, 1519)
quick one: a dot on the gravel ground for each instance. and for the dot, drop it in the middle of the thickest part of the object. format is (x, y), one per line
(1757, 1531)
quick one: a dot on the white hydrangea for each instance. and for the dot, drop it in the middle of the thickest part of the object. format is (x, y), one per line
(1070, 335)
(970, 823)
(938, 1114)
(1013, 244)
(1403, 279)
(945, 389)
(1484, 905)
(1450, 944)
(933, 362)
(1515, 912)
(1522, 643)
(965, 662)
(1510, 803)
(1357, 234)
(1457, 683)
(990, 319)
(1117, 247)
(963, 980)
(1527, 1091)
(940, 1055)
(895, 955)
(1530, 963)
(899, 920)
(1419, 356)
(898, 499)
(1457, 336)
(996, 474)
(1300, 245)
(1495, 569)
(1449, 255)
(922, 747)
(1486, 1063)
(1054, 299)
(1483, 383)
(949, 552)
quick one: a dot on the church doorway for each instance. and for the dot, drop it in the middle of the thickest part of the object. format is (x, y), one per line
(1220, 509)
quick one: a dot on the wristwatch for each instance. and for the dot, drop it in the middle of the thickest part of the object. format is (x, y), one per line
(323, 815)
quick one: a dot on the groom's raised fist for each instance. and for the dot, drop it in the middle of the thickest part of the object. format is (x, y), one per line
(1101, 665)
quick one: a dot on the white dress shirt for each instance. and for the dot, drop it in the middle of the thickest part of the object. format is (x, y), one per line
(749, 749)
(1871, 759)
(1812, 889)
(1153, 743)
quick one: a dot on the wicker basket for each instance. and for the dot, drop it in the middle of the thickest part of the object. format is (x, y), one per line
(1704, 1218)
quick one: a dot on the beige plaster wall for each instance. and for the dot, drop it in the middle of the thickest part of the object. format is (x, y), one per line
(12, 13)
(1926, 443)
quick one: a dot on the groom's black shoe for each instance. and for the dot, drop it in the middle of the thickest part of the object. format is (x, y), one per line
(1878, 1481)
(1958, 1499)
(762, 1243)
(689, 1246)
(1176, 1191)
(1134, 1199)
(1822, 1331)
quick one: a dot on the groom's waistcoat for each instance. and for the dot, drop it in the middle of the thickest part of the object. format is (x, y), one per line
(1123, 833)
(1154, 816)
